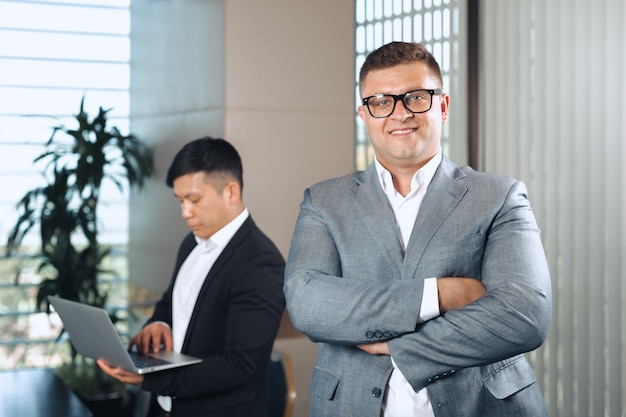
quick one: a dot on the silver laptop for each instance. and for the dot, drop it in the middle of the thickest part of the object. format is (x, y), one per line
(93, 335)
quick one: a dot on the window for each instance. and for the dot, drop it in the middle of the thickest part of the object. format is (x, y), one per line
(437, 24)
(52, 54)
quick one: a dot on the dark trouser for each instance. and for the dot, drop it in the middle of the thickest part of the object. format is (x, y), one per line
(155, 409)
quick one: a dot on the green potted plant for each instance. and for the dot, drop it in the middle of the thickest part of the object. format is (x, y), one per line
(65, 209)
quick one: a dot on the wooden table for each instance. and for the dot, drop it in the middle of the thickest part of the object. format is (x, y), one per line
(38, 393)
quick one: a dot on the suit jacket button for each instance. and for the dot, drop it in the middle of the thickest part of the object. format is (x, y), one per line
(378, 334)
(376, 392)
(369, 334)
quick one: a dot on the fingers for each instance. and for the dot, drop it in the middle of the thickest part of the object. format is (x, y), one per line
(119, 373)
(153, 338)
(376, 348)
(105, 367)
(133, 343)
(167, 339)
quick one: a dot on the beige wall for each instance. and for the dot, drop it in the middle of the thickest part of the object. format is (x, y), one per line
(289, 101)
(276, 78)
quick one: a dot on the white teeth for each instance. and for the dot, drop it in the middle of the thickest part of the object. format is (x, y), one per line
(401, 132)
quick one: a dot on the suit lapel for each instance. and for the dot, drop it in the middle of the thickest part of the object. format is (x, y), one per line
(443, 195)
(227, 253)
(374, 209)
(214, 272)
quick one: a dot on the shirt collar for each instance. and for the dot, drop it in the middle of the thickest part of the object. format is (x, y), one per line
(422, 176)
(221, 238)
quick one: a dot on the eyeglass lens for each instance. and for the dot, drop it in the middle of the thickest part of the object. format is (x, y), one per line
(418, 101)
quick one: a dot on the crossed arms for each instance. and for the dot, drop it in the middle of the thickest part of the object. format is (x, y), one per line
(453, 294)
(342, 288)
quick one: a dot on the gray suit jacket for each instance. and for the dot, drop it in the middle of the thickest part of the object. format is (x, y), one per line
(348, 282)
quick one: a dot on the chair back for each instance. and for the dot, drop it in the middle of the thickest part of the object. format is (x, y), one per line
(281, 385)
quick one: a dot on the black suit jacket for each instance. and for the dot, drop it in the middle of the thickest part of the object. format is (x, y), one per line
(232, 328)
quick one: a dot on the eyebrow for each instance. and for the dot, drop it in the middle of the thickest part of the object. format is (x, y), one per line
(189, 194)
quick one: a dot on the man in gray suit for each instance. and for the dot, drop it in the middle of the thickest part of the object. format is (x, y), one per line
(423, 283)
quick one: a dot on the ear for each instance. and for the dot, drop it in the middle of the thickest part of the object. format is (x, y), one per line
(361, 111)
(445, 105)
(232, 192)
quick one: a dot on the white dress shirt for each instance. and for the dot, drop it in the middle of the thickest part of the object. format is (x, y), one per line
(400, 398)
(190, 279)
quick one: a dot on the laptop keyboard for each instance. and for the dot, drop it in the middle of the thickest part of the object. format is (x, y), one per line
(143, 361)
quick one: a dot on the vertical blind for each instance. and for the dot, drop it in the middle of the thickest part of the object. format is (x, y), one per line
(553, 114)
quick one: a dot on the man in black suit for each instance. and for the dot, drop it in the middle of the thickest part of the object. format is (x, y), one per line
(225, 300)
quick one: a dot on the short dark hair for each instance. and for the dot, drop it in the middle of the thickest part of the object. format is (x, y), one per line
(397, 53)
(209, 155)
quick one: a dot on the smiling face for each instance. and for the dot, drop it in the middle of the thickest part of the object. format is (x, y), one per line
(206, 203)
(404, 140)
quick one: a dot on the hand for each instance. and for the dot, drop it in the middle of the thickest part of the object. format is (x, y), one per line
(153, 335)
(376, 348)
(120, 374)
(456, 292)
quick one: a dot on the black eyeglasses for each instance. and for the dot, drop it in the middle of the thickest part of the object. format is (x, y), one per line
(415, 101)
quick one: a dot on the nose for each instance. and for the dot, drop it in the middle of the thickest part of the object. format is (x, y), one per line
(186, 211)
(400, 112)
